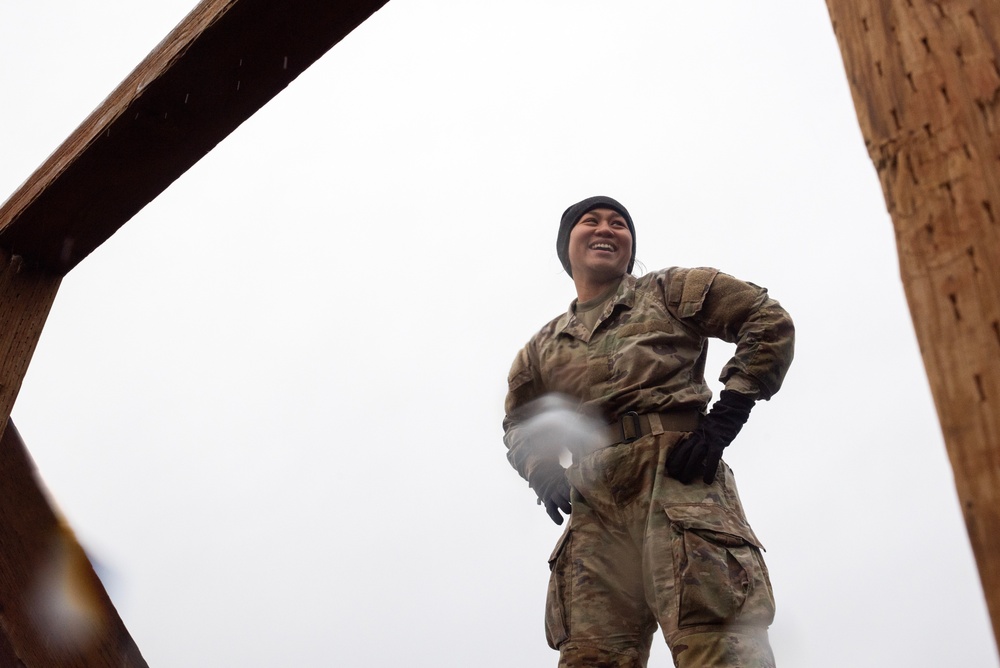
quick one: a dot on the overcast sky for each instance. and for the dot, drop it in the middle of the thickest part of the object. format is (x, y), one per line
(270, 405)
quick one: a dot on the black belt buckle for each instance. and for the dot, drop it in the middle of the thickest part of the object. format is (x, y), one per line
(632, 417)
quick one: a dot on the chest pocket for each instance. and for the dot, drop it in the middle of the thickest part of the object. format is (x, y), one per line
(633, 329)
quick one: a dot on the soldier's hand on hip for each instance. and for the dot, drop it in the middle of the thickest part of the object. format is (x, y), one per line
(700, 453)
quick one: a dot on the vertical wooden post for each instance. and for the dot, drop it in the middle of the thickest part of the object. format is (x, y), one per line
(925, 80)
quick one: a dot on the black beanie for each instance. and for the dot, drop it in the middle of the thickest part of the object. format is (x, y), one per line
(573, 214)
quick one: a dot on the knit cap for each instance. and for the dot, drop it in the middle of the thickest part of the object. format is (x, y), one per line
(572, 216)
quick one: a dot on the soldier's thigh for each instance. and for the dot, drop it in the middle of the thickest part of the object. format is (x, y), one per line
(596, 601)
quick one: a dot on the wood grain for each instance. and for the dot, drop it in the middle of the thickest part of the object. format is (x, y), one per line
(221, 64)
(926, 84)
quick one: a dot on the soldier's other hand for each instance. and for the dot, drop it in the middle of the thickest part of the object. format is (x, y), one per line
(558, 499)
(553, 492)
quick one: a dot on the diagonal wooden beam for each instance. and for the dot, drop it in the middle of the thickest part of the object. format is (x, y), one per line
(54, 610)
(221, 64)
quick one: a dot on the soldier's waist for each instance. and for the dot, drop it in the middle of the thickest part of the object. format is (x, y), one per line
(633, 426)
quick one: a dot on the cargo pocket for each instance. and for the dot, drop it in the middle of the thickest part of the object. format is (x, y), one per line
(556, 627)
(719, 572)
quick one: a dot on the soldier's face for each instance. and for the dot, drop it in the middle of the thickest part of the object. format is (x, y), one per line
(600, 245)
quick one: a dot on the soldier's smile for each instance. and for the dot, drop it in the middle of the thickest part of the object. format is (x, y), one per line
(600, 245)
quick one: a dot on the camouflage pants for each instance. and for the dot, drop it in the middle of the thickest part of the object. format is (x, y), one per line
(642, 550)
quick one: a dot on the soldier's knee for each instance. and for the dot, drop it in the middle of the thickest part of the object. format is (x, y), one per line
(722, 649)
(594, 655)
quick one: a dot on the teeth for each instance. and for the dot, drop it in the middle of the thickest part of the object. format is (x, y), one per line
(607, 247)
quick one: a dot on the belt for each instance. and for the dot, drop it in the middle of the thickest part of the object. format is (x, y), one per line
(633, 426)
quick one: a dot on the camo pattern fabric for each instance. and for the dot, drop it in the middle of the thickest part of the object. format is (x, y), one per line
(642, 550)
(647, 352)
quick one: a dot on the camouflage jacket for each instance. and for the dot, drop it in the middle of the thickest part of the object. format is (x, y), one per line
(647, 351)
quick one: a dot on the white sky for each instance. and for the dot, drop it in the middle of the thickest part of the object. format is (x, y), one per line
(270, 406)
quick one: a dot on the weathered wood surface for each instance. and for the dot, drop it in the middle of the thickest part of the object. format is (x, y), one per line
(926, 85)
(26, 296)
(221, 64)
(54, 610)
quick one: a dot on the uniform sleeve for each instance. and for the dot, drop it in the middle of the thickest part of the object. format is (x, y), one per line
(523, 387)
(723, 307)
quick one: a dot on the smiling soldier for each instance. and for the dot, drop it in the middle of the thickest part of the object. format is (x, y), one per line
(657, 534)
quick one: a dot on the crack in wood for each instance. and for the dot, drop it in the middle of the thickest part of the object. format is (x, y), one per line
(953, 298)
(912, 172)
(946, 186)
(971, 252)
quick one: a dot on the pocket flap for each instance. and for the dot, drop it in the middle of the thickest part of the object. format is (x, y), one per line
(712, 519)
(688, 293)
(559, 545)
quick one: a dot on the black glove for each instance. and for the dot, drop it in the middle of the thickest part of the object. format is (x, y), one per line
(550, 483)
(699, 453)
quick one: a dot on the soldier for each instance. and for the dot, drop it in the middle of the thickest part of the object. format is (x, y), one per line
(657, 534)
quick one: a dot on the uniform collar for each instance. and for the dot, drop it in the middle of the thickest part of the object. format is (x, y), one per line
(573, 326)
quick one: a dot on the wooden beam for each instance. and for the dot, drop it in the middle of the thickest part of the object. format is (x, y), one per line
(26, 296)
(926, 86)
(221, 64)
(54, 611)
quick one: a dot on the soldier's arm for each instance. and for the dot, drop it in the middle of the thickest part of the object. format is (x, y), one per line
(523, 387)
(739, 312)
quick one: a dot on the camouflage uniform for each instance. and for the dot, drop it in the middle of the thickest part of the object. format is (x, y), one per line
(641, 548)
